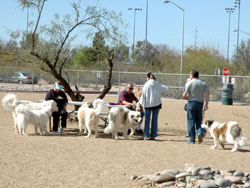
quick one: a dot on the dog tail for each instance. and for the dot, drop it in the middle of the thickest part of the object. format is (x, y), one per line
(21, 108)
(111, 125)
(242, 141)
(10, 101)
(98, 105)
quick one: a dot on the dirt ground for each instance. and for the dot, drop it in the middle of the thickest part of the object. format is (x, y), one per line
(76, 161)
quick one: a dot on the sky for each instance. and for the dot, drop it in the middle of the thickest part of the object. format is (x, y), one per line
(205, 21)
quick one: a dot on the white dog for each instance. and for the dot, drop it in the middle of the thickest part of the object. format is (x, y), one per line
(122, 117)
(39, 118)
(10, 102)
(221, 132)
(89, 116)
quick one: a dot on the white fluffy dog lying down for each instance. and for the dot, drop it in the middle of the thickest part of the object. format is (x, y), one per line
(89, 116)
(39, 118)
(122, 117)
(10, 102)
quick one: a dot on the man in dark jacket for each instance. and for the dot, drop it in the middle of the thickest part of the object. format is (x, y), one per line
(59, 96)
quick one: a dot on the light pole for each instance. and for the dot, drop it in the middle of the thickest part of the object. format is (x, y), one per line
(135, 9)
(182, 35)
(146, 32)
(229, 11)
(242, 32)
(237, 4)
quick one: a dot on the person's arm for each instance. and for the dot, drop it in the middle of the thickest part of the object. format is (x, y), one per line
(129, 103)
(124, 100)
(186, 89)
(65, 101)
(164, 91)
(185, 96)
(48, 96)
(207, 96)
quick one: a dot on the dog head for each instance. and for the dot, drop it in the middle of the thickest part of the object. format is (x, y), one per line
(97, 102)
(207, 124)
(52, 105)
(134, 117)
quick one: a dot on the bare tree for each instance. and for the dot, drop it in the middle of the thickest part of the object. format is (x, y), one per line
(54, 50)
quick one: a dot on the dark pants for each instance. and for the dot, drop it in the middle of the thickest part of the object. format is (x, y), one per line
(194, 116)
(56, 118)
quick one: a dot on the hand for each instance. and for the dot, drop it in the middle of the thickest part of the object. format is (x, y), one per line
(205, 107)
(134, 106)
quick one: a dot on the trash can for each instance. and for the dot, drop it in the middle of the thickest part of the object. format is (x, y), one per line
(227, 94)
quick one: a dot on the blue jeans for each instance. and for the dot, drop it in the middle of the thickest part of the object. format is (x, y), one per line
(154, 122)
(194, 117)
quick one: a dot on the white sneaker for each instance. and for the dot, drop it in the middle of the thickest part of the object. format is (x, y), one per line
(54, 132)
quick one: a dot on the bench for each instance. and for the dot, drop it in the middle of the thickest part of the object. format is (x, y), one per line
(103, 116)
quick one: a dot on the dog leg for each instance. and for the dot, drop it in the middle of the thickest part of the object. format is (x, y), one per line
(46, 133)
(15, 122)
(132, 132)
(235, 148)
(80, 127)
(125, 132)
(116, 134)
(24, 130)
(215, 143)
(87, 124)
(96, 129)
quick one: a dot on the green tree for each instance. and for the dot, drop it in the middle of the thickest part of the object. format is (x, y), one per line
(241, 60)
(204, 59)
(146, 57)
(169, 60)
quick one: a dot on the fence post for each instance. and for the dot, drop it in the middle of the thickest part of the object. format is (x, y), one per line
(119, 81)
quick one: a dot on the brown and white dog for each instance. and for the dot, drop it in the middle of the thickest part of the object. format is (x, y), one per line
(229, 132)
(120, 117)
(89, 116)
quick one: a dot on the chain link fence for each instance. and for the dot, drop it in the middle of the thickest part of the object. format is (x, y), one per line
(94, 80)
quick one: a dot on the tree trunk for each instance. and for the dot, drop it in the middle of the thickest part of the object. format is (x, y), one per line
(108, 85)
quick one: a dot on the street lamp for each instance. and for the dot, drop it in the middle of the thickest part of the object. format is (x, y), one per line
(146, 33)
(229, 11)
(237, 4)
(135, 9)
(242, 32)
(182, 38)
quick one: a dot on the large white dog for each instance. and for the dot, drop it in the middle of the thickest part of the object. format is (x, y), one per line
(39, 118)
(120, 117)
(225, 132)
(89, 116)
(10, 102)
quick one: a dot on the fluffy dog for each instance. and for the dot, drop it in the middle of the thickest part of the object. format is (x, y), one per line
(229, 132)
(39, 118)
(89, 116)
(118, 117)
(10, 102)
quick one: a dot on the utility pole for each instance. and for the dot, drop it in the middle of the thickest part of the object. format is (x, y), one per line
(229, 11)
(195, 38)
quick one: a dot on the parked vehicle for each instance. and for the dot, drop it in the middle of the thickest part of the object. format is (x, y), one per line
(20, 77)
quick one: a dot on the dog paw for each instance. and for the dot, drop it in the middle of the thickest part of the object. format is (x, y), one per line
(233, 150)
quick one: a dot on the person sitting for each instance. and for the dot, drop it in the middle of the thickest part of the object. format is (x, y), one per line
(59, 96)
(127, 97)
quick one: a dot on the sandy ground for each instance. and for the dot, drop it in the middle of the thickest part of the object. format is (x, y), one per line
(76, 161)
